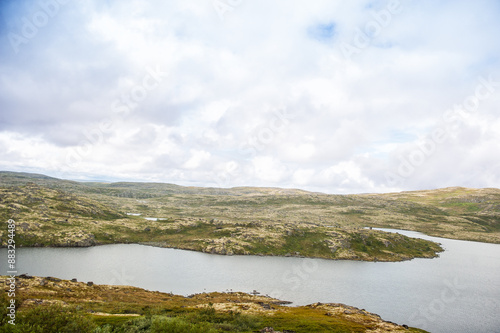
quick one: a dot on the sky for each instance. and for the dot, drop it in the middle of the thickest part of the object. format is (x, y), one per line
(329, 96)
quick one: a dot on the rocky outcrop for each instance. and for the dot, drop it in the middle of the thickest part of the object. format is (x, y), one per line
(49, 290)
(82, 241)
(360, 316)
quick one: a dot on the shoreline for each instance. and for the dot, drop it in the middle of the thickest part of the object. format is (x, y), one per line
(163, 246)
(104, 304)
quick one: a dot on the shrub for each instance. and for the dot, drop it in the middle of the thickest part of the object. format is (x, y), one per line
(178, 325)
(55, 318)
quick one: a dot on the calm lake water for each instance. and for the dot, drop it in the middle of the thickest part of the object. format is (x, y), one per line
(457, 292)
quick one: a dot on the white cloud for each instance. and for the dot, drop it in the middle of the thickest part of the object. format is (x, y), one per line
(197, 157)
(303, 177)
(269, 169)
(213, 116)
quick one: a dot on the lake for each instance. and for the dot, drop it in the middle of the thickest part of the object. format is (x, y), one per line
(457, 292)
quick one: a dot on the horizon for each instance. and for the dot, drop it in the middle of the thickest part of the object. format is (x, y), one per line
(244, 186)
(369, 96)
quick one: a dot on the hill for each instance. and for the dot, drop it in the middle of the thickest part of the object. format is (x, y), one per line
(244, 220)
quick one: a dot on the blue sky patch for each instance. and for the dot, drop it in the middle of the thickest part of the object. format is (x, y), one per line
(322, 32)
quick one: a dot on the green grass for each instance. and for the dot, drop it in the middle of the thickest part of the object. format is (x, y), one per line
(302, 320)
(307, 243)
(174, 314)
(465, 206)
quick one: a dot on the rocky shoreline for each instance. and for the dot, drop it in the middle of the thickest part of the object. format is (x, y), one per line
(98, 301)
(91, 242)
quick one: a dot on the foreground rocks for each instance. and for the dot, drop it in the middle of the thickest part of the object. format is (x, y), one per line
(124, 301)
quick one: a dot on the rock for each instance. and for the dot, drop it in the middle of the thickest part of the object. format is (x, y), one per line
(25, 276)
(265, 305)
(53, 279)
(405, 326)
(90, 283)
(25, 226)
(86, 242)
(267, 330)
(147, 229)
(74, 280)
(281, 302)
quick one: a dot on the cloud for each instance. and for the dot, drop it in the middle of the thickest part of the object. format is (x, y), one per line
(258, 94)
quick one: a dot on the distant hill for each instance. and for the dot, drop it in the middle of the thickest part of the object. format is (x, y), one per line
(134, 189)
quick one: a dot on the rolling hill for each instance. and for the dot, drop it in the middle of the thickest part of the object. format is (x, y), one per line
(244, 220)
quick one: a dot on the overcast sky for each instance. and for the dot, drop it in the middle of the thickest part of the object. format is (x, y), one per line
(330, 96)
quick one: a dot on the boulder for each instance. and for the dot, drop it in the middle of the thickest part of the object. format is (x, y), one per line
(25, 276)
(53, 279)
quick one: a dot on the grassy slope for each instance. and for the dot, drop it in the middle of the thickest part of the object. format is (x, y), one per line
(56, 305)
(50, 217)
(456, 212)
(263, 220)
